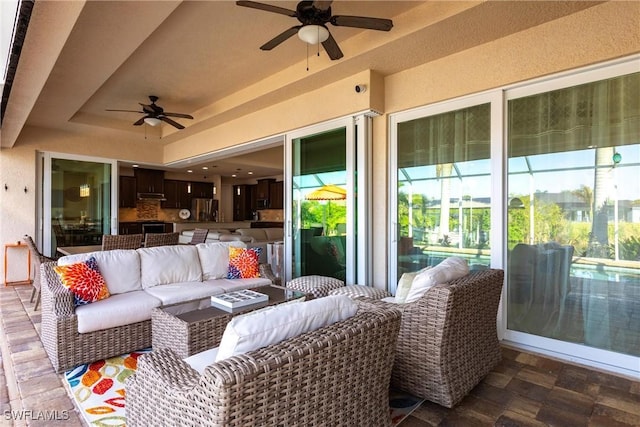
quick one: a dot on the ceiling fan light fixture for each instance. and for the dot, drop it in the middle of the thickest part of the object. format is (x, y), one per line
(152, 121)
(313, 34)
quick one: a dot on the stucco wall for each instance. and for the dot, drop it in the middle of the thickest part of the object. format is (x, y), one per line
(597, 34)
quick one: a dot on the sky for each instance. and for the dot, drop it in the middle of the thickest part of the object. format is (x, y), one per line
(7, 20)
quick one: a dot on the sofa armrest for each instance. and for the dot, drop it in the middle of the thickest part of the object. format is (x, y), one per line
(54, 294)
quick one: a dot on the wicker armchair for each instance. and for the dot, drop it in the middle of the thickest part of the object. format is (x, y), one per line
(325, 377)
(37, 258)
(448, 339)
(160, 239)
(121, 241)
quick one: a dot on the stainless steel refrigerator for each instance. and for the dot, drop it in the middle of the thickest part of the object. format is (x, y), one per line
(204, 209)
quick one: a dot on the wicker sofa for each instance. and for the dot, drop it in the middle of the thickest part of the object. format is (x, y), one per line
(448, 339)
(138, 280)
(334, 376)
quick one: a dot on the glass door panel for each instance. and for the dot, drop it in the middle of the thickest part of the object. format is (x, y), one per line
(572, 223)
(319, 204)
(79, 211)
(443, 184)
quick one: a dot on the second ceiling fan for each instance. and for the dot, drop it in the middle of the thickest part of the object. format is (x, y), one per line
(314, 15)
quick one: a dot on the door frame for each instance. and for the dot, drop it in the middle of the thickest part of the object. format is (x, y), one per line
(357, 141)
(44, 196)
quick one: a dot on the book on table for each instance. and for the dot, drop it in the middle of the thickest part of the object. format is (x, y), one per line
(231, 300)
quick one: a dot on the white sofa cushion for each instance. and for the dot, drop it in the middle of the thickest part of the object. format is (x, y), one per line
(230, 285)
(184, 291)
(200, 361)
(262, 328)
(120, 268)
(256, 234)
(449, 269)
(214, 258)
(274, 234)
(117, 310)
(162, 265)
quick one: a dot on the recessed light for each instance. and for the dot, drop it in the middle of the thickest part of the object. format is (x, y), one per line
(134, 166)
(250, 173)
(189, 171)
(205, 168)
(233, 175)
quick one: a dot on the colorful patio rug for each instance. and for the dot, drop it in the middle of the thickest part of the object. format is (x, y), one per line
(98, 391)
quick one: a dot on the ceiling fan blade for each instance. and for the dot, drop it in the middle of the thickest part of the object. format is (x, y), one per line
(322, 5)
(180, 115)
(139, 122)
(268, 8)
(379, 24)
(280, 38)
(127, 111)
(332, 48)
(171, 122)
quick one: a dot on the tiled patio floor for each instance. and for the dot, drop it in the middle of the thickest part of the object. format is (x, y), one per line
(524, 390)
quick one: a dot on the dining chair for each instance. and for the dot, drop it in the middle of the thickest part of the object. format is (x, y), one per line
(199, 236)
(121, 241)
(161, 239)
(37, 259)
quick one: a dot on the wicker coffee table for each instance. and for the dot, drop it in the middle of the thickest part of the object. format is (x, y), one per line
(194, 326)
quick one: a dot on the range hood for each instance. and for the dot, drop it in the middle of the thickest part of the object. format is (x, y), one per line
(151, 196)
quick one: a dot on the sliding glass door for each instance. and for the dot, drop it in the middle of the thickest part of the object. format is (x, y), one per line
(540, 180)
(77, 201)
(321, 202)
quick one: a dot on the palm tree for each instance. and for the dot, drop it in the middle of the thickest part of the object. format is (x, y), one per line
(585, 193)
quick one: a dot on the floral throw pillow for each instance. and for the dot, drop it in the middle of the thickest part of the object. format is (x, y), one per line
(243, 263)
(84, 280)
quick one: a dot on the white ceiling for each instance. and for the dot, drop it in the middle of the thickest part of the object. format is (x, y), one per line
(203, 58)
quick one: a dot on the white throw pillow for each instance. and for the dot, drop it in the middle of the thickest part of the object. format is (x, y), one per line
(162, 265)
(449, 269)
(120, 268)
(214, 258)
(262, 328)
(404, 285)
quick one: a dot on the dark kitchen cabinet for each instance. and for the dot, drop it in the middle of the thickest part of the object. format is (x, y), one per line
(202, 190)
(149, 180)
(263, 188)
(129, 228)
(243, 202)
(127, 190)
(276, 195)
(177, 194)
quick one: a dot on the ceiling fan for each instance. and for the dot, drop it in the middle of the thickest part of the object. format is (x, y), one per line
(314, 15)
(154, 114)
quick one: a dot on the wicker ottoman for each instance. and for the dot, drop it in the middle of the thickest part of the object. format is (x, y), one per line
(318, 286)
(354, 291)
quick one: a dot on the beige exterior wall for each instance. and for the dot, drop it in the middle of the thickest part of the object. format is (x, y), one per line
(597, 34)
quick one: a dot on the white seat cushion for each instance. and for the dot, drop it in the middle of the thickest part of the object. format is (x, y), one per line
(163, 265)
(120, 268)
(200, 361)
(230, 285)
(184, 291)
(449, 269)
(214, 258)
(117, 310)
(262, 328)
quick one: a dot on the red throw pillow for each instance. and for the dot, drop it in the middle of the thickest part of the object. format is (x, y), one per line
(84, 280)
